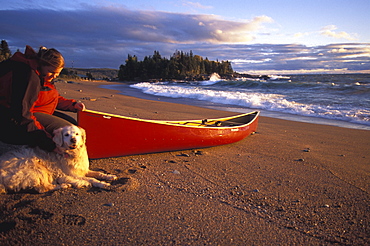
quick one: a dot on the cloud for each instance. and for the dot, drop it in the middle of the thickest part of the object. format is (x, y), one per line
(97, 32)
(104, 36)
(294, 58)
(300, 35)
(196, 5)
(340, 50)
(345, 51)
(121, 24)
(329, 31)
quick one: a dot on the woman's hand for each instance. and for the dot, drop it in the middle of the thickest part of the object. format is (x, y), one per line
(80, 106)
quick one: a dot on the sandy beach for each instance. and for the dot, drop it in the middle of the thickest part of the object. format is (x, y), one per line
(291, 183)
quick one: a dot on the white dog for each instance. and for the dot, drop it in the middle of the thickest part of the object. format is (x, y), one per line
(33, 168)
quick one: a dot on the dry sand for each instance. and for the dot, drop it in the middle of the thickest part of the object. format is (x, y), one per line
(291, 183)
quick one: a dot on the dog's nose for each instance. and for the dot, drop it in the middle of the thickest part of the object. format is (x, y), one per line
(73, 140)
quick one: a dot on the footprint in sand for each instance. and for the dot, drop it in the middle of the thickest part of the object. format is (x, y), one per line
(73, 219)
(126, 184)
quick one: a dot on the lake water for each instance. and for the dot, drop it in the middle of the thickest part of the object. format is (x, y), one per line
(341, 100)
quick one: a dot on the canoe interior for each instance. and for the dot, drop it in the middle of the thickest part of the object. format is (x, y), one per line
(225, 122)
(110, 135)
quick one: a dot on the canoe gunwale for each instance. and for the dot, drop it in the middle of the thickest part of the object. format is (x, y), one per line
(183, 123)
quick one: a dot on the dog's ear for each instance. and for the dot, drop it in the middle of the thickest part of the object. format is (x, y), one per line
(58, 137)
(83, 134)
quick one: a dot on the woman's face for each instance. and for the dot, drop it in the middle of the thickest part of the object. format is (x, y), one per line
(49, 73)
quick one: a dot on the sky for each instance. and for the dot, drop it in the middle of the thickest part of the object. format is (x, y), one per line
(256, 36)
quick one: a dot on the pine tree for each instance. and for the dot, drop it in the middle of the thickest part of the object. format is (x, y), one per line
(4, 51)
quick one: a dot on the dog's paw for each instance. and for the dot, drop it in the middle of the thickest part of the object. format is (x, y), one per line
(82, 184)
(45, 188)
(111, 177)
(100, 184)
(65, 186)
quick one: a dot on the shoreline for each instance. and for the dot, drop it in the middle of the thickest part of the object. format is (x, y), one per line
(291, 183)
(233, 108)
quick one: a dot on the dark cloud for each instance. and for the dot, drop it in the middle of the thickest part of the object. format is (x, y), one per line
(123, 25)
(102, 37)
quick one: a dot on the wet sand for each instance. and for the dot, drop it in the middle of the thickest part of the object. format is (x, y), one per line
(292, 183)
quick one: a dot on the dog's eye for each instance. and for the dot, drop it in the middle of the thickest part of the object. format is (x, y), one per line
(66, 135)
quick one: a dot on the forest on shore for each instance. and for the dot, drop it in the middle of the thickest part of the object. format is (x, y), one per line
(180, 66)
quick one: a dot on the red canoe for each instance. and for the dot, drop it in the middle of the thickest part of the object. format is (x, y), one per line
(111, 135)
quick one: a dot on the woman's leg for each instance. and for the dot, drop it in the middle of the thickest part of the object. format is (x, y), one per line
(17, 134)
(13, 134)
(51, 122)
(66, 117)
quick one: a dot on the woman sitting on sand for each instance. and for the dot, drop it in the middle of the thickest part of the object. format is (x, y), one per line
(28, 98)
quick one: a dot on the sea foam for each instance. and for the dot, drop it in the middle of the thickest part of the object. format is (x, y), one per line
(337, 98)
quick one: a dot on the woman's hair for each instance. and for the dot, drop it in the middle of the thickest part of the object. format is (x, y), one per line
(50, 57)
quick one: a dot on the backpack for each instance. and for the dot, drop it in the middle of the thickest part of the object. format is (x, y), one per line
(10, 71)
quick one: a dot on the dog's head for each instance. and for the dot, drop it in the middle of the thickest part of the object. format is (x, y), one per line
(69, 137)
